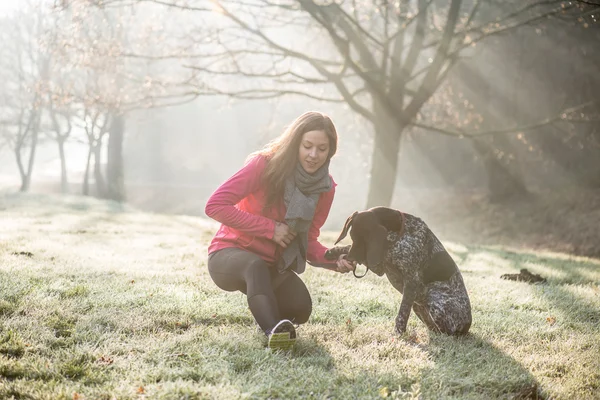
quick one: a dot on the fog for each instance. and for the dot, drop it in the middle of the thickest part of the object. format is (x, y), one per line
(518, 111)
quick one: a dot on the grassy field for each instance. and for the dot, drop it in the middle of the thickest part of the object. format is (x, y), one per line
(99, 301)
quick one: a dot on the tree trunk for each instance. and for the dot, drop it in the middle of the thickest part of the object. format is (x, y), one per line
(98, 178)
(26, 177)
(114, 167)
(61, 138)
(32, 127)
(86, 175)
(64, 183)
(384, 161)
(19, 159)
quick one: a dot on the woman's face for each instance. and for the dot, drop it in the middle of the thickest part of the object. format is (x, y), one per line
(313, 152)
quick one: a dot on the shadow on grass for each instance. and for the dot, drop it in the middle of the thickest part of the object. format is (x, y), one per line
(563, 274)
(564, 270)
(462, 370)
(310, 371)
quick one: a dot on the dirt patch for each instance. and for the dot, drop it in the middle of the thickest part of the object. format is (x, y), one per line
(524, 276)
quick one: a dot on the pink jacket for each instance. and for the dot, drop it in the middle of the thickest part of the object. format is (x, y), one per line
(238, 205)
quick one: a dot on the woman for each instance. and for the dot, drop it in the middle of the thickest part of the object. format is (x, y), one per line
(271, 212)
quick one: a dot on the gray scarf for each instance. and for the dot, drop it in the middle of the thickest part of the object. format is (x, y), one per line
(301, 195)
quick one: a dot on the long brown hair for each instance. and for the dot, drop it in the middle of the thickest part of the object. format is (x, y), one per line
(282, 152)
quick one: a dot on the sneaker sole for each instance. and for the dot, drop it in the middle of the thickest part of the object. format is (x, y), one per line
(281, 341)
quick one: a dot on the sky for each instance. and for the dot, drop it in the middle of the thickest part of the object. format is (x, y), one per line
(8, 5)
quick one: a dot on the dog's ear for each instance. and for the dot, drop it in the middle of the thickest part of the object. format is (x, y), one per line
(347, 226)
(376, 245)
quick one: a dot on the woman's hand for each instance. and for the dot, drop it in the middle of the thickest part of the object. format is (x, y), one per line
(283, 234)
(343, 265)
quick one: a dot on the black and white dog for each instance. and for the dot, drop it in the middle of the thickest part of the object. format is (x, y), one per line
(402, 247)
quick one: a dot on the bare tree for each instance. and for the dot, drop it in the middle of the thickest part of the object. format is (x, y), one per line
(95, 124)
(383, 59)
(26, 67)
(61, 112)
(103, 84)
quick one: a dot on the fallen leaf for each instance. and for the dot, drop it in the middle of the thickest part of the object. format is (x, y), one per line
(551, 320)
(384, 391)
(141, 390)
(105, 360)
(23, 253)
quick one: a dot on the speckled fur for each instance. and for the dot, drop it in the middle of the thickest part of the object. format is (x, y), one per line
(417, 264)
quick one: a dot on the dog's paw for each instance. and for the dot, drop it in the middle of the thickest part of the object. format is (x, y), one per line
(401, 326)
(335, 252)
(400, 331)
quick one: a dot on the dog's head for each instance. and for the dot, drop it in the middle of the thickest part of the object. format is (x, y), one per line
(368, 231)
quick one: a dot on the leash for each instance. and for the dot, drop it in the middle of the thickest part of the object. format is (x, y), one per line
(329, 255)
(361, 276)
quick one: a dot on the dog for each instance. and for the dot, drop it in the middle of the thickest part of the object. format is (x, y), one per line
(402, 247)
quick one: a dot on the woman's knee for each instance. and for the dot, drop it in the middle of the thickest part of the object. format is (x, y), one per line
(295, 302)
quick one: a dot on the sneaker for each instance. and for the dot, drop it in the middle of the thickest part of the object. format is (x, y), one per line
(282, 336)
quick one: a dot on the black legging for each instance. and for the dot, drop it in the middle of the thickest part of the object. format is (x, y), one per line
(271, 296)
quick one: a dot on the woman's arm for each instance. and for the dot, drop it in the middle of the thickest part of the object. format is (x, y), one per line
(221, 205)
(315, 253)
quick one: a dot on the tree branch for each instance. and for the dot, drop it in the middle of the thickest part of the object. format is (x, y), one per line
(589, 3)
(431, 78)
(562, 116)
